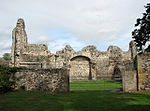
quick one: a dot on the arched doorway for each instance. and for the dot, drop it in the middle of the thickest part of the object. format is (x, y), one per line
(80, 68)
(117, 75)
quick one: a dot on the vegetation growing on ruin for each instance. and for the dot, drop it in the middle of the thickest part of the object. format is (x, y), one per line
(5, 75)
(7, 56)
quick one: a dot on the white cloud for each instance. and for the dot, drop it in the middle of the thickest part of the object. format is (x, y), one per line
(42, 40)
(88, 21)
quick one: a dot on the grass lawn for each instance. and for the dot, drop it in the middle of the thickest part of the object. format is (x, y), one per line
(91, 99)
(96, 85)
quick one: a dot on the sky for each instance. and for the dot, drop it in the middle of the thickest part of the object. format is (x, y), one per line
(78, 23)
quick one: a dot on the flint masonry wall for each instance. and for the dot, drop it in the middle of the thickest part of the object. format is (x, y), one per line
(80, 68)
(100, 64)
(50, 74)
(137, 74)
(130, 76)
(130, 81)
(143, 68)
(53, 80)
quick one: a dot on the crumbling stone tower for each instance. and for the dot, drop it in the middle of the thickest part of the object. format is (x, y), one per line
(24, 54)
(19, 44)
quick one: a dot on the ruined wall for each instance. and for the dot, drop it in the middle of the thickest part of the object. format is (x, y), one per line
(110, 63)
(137, 73)
(21, 51)
(53, 80)
(143, 68)
(129, 76)
(80, 68)
(101, 63)
(19, 42)
(89, 63)
(36, 47)
(130, 81)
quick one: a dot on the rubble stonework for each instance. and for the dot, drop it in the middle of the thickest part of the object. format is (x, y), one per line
(89, 63)
(53, 80)
(143, 68)
(130, 81)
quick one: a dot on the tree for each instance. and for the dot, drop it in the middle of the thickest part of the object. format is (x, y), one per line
(6, 78)
(7, 56)
(141, 34)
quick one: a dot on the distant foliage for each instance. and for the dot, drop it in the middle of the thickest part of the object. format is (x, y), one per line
(7, 56)
(4, 62)
(141, 34)
(5, 75)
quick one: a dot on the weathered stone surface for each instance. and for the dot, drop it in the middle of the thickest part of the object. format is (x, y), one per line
(99, 65)
(53, 80)
(21, 50)
(80, 68)
(48, 71)
(130, 81)
(19, 43)
(132, 47)
(143, 68)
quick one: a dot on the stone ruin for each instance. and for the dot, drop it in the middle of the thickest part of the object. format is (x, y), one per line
(43, 70)
(87, 64)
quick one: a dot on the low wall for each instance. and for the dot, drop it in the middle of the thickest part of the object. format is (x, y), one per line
(143, 68)
(53, 80)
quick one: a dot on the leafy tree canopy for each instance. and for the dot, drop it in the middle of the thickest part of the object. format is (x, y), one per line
(7, 56)
(141, 34)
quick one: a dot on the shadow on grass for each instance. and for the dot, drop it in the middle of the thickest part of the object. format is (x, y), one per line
(75, 101)
(107, 101)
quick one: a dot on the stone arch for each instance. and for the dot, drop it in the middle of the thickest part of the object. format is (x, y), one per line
(80, 56)
(80, 68)
(118, 72)
(83, 54)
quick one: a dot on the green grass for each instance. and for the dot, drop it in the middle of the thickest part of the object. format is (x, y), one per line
(77, 100)
(96, 85)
